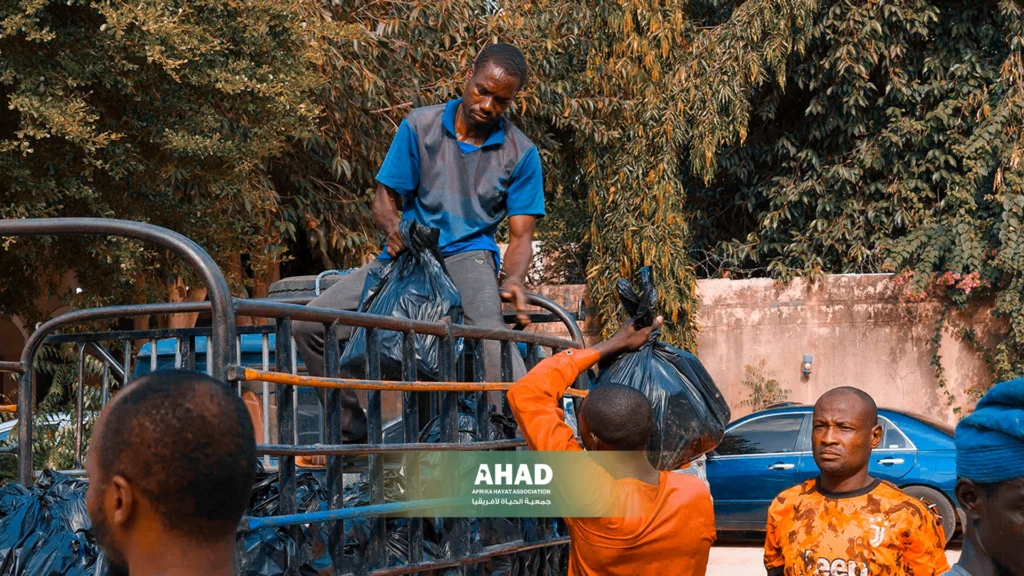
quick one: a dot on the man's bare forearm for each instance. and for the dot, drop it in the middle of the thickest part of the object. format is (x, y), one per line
(385, 209)
(387, 217)
(517, 260)
(520, 249)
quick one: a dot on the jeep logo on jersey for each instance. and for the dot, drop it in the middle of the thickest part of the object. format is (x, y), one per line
(840, 567)
(503, 474)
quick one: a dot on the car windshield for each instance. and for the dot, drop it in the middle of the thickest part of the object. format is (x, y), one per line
(940, 426)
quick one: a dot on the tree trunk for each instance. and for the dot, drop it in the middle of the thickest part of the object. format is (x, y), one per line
(179, 292)
(236, 273)
(261, 288)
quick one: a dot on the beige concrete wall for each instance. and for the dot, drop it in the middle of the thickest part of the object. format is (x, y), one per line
(860, 331)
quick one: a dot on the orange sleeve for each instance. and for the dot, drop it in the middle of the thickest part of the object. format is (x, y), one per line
(536, 400)
(703, 508)
(774, 561)
(925, 543)
(536, 404)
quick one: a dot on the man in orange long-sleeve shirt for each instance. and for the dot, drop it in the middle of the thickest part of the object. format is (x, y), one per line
(666, 525)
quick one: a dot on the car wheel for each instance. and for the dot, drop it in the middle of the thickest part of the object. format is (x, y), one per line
(937, 503)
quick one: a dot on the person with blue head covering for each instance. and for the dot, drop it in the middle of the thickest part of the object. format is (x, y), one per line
(990, 485)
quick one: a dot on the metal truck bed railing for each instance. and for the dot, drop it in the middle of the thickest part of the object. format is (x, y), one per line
(224, 361)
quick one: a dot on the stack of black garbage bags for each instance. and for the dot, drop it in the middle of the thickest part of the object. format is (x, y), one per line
(271, 550)
(45, 529)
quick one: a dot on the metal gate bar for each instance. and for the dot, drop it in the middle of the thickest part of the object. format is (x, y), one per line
(420, 400)
(243, 374)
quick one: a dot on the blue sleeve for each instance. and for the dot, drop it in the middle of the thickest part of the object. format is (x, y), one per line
(401, 168)
(526, 187)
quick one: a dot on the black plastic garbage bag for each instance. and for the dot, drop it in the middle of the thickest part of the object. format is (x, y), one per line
(44, 529)
(501, 427)
(272, 551)
(268, 552)
(689, 409)
(414, 286)
(484, 532)
(550, 560)
(547, 561)
(359, 531)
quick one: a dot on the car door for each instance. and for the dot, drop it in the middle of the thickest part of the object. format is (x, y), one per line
(895, 456)
(807, 468)
(757, 459)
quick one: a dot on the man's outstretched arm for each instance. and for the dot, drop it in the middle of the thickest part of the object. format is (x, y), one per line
(397, 181)
(536, 398)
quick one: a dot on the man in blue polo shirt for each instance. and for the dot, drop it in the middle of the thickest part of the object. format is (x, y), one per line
(462, 168)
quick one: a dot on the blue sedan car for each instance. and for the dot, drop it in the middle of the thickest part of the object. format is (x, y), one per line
(769, 451)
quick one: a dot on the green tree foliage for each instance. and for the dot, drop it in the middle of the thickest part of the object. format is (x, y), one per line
(166, 112)
(893, 143)
(769, 137)
(620, 91)
(54, 425)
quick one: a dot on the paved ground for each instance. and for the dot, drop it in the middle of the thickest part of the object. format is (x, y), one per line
(745, 560)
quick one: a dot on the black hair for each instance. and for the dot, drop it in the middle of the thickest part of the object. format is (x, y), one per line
(619, 416)
(505, 56)
(862, 396)
(186, 442)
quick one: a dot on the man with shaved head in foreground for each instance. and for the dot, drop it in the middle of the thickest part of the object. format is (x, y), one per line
(171, 469)
(844, 522)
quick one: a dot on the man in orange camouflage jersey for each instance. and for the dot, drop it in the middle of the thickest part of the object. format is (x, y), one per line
(846, 523)
(658, 522)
